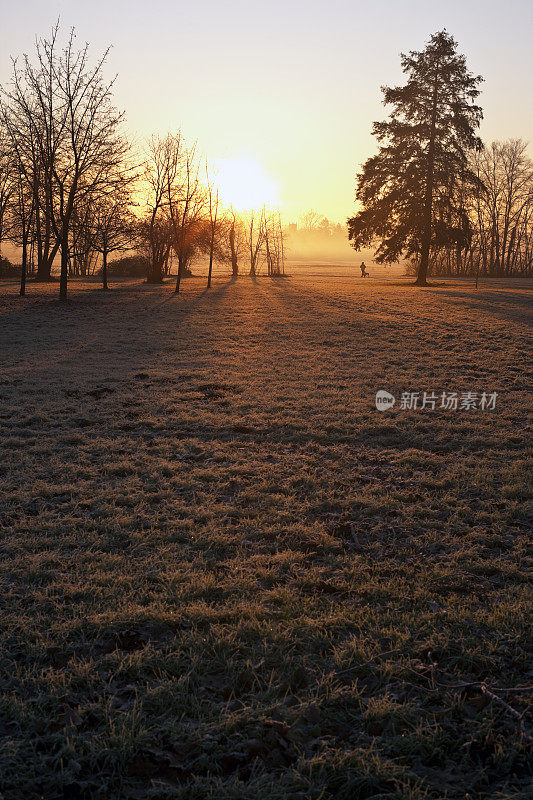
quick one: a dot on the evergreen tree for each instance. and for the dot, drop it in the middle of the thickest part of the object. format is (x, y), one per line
(409, 190)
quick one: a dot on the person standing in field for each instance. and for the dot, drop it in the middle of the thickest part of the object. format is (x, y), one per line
(364, 273)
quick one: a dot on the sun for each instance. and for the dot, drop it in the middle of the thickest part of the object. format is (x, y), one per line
(244, 184)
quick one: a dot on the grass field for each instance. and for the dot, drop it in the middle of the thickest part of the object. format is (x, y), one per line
(225, 574)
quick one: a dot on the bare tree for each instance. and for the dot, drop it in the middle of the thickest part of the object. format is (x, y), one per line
(65, 132)
(311, 221)
(233, 242)
(255, 238)
(213, 202)
(161, 170)
(231, 239)
(503, 211)
(186, 203)
(22, 213)
(113, 226)
(491, 232)
(273, 242)
(7, 186)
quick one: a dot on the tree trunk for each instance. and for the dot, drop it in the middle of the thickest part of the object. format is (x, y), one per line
(212, 247)
(155, 269)
(64, 267)
(178, 279)
(105, 287)
(421, 279)
(269, 260)
(24, 263)
(234, 261)
(38, 236)
(44, 267)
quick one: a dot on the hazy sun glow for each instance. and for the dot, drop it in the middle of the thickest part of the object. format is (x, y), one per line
(244, 184)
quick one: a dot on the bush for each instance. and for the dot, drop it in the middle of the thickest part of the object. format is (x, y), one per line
(133, 267)
(128, 267)
(9, 270)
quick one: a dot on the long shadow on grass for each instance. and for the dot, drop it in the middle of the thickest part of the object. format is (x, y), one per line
(82, 328)
(514, 306)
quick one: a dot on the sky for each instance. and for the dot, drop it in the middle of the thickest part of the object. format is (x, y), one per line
(290, 87)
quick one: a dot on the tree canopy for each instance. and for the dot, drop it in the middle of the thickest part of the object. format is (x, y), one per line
(411, 190)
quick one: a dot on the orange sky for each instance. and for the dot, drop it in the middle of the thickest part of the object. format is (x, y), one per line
(291, 87)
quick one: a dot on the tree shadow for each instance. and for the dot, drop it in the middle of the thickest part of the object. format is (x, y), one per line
(508, 304)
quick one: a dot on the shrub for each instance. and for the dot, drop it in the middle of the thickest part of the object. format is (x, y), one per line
(9, 270)
(128, 267)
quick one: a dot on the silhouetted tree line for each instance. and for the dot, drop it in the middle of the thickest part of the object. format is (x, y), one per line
(493, 233)
(433, 193)
(185, 219)
(72, 187)
(500, 216)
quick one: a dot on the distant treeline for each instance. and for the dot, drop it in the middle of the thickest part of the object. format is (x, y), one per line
(495, 235)
(316, 237)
